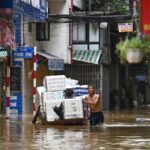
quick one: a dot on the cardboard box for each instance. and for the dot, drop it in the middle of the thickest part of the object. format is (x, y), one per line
(73, 108)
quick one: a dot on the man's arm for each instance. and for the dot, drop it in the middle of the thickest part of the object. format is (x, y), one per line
(96, 99)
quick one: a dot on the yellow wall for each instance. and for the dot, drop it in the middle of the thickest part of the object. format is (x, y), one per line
(28, 81)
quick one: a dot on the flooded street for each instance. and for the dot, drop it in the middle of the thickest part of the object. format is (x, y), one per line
(123, 130)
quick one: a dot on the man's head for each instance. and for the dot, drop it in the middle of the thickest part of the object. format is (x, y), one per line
(91, 89)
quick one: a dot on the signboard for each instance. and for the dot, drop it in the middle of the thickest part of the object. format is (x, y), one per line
(18, 28)
(125, 27)
(15, 79)
(44, 5)
(4, 4)
(35, 9)
(33, 3)
(55, 64)
(15, 103)
(145, 16)
(24, 52)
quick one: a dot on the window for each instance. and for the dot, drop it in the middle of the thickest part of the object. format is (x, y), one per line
(42, 31)
(79, 32)
(94, 32)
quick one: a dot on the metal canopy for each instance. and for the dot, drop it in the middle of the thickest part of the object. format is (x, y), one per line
(89, 56)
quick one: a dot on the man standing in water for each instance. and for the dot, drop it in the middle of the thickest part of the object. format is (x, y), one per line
(94, 102)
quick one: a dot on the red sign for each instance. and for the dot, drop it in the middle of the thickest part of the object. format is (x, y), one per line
(6, 35)
(145, 16)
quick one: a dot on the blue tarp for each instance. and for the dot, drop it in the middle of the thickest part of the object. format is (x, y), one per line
(54, 63)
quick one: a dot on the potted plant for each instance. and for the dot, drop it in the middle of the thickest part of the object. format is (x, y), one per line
(133, 50)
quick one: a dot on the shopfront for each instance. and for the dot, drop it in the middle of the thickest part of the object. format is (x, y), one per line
(7, 42)
(3, 59)
(25, 12)
(11, 34)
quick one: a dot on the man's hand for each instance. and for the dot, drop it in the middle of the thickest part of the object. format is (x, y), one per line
(84, 100)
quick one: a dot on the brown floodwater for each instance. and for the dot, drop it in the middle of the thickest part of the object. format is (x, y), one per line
(123, 130)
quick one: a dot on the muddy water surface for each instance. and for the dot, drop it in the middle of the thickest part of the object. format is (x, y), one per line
(123, 130)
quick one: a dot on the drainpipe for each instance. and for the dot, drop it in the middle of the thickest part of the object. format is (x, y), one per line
(71, 35)
(70, 41)
(71, 54)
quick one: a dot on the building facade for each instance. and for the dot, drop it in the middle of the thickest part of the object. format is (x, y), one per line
(67, 37)
(82, 38)
(6, 45)
(18, 13)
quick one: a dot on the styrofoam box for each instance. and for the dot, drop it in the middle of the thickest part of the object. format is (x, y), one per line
(55, 83)
(50, 114)
(73, 108)
(53, 96)
(39, 100)
(71, 83)
(43, 108)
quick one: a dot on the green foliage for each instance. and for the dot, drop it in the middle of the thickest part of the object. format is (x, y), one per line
(134, 43)
(116, 6)
(120, 6)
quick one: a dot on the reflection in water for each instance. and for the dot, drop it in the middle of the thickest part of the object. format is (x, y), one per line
(121, 131)
(59, 139)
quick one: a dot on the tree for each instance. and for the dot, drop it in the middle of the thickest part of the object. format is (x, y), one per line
(116, 6)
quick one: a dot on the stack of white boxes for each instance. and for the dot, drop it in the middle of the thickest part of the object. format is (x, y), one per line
(39, 99)
(73, 108)
(55, 83)
(53, 96)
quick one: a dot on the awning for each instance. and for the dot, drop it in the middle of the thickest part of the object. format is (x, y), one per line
(54, 62)
(90, 56)
(7, 36)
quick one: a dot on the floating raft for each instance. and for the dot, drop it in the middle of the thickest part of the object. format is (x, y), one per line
(74, 121)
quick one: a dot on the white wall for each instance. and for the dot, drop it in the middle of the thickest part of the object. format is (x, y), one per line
(59, 33)
(29, 38)
(58, 46)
